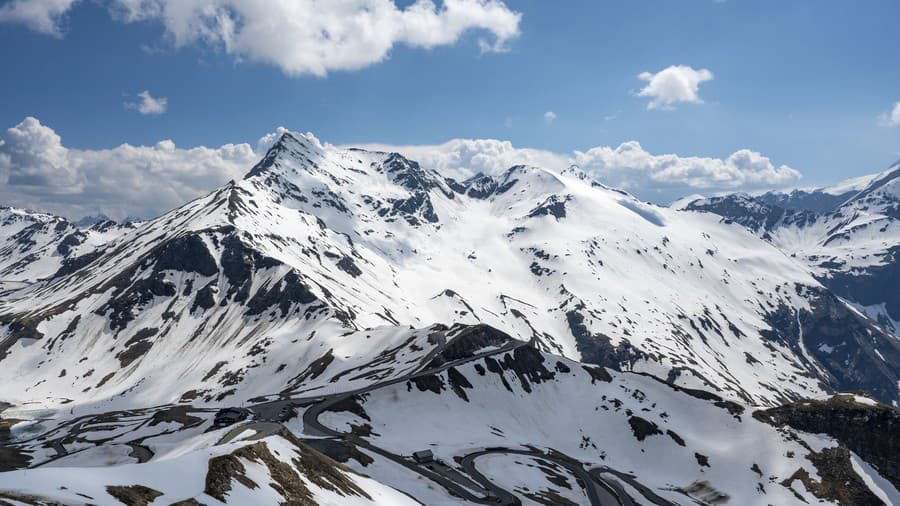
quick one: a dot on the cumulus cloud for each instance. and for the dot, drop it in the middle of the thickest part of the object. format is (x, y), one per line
(301, 36)
(631, 167)
(891, 118)
(33, 156)
(549, 116)
(673, 85)
(37, 171)
(42, 16)
(148, 104)
(659, 178)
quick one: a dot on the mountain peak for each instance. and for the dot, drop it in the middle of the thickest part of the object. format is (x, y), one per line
(89, 221)
(576, 172)
(307, 140)
(288, 143)
(410, 174)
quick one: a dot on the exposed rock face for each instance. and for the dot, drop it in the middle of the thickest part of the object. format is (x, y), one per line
(833, 336)
(11, 457)
(187, 254)
(837, 480)
(597, 348)
(876, 285)
(741, 209)
(815, 201)
(289, 473)
(832, 326)
(868, 429)
(463, 341)
(643, 428)
(526, 362)
(133, 495)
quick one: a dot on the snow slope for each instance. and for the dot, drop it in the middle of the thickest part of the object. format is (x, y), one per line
(318, 244)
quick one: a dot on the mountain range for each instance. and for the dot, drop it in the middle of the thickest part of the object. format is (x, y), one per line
(547, 339)
(848, 235)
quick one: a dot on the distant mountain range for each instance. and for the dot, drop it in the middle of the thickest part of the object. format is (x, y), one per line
(546, 338)
(848, 235)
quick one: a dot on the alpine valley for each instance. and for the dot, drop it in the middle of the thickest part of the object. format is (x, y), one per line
(348, 327)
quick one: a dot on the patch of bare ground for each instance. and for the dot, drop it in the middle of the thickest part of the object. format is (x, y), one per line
(288, 479)
(133, 495)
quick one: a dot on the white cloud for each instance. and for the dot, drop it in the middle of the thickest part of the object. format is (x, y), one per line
(42, 16)
(891, 118)
(660, 178)
(674, 85)
(631, 167)
(148, 104)
(549, 116)
(37, 171)
(33, 155)
(301, 36)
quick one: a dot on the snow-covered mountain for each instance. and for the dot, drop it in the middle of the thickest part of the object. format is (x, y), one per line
(332, 281)
(35, 246)
(357, 240)
(849, 237)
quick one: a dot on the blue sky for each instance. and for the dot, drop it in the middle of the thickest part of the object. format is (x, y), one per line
(807, 83)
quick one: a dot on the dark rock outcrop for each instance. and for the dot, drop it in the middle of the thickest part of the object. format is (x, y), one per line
(869, 430)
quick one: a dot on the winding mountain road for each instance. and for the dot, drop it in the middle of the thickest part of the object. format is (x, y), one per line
(262, 430)
(271, 414)
(473, 486)
(312, 426)
(596, 495)
(645, 491)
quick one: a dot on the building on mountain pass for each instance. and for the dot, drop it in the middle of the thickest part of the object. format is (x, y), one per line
(230, 416)
(423, 457)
